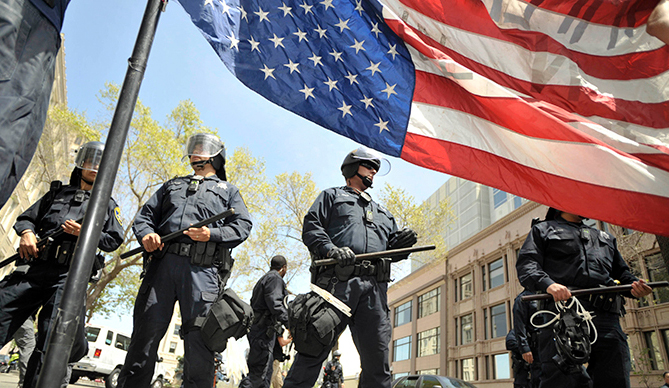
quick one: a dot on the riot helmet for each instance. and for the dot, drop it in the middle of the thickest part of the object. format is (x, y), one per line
(552, 213)
(336, 353)
(209, 146)
(364, 156)
(88, 157)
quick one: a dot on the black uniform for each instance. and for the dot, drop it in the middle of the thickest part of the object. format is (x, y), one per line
(40, 282)
(341, 217)
(333, 378)
(526, 335)
(521, 370)
(172, 276)
(268, 309)
(575, 255)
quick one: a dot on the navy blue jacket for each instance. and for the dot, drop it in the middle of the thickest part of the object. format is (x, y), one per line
(55, 14)
(268, 296)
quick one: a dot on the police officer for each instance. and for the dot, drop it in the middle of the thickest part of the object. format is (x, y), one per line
(191, 269)
(526, 337)
(39, 278)
(563, 252)
(269, 316)
(342, 222)
(334, 373)
(521, 370)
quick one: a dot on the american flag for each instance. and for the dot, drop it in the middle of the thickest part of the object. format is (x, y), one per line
(562, 102)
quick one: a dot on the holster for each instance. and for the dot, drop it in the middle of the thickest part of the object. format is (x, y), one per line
(611, 302)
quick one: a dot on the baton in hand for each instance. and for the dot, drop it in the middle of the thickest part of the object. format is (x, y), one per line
(378, 255)
(593, 291)
(173, 235)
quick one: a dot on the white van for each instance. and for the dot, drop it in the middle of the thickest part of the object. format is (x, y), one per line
(106, 355)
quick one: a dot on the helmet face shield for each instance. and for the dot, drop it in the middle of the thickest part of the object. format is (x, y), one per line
(204, 145)
(89, 156)
(370, 159)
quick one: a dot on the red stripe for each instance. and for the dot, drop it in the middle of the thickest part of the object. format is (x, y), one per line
(473, 16)
(639, 211)
(580, 100)
(627, 13)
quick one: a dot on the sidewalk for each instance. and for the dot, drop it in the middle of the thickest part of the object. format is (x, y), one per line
(11, 379)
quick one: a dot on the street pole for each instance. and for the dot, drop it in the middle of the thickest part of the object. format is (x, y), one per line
(64, 327)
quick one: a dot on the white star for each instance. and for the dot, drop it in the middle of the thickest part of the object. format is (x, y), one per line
(262, 15)
(375, 29)
(389, 89)
(373, 67)
(358, 6)
(343, 25)
(278, 42)
(332, 84)
(286, 10)
(234, 42)
(352, 78)
(358, 46)
(382, 125)
(327, 4)
(210, 2)
(367, 101)
(307, 8)
(293, 67)
(321, 32)
(226, 7)
(337, 56)
(243, 12)
(254, 44)
(307, 92)
(393, 50)
(346, 109)
(268, 72)
(301, 35)
(316, 59)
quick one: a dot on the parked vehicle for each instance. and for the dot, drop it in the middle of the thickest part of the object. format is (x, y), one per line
(430, 381)
(106, 355)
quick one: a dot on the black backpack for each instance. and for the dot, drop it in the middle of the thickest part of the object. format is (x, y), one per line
(311, 321)
(229, 316)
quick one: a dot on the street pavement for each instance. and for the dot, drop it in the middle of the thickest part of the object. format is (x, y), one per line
(11, 380)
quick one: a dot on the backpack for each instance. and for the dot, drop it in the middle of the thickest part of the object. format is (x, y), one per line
(312, 322)
(229, 316)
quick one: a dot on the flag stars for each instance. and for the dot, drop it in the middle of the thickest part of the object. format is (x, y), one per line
(373, 67)
(301, 35)
(389, 90)
(286, 10)
(210, 2)
(343, 25)
(352, 78)
(234, 42)
(307, 8)
(393, 50)
(321, 32)
(226, 8)
(316, 59)
(346, 109)
(383, 125)
(327, 4)
(375, 29)
(358, 7)
(331, 84)
(293, 67)
(367, 101)
(278, 41)
(243, 13)
(254, 44)
(262, 15)
(268, 72)
(358, 46)
(308, 92)
(337, 56)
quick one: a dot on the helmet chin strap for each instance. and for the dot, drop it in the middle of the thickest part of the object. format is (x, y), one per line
(200, 164)
(367, 181)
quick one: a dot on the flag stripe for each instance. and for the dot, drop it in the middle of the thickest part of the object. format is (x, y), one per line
(612, 13)
(649, 213)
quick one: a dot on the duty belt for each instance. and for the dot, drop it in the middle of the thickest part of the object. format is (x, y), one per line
(365, 268)
(181, 249)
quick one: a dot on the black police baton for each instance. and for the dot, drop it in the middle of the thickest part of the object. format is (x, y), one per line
(593, 291)
(41, 244)
(173, 235)
(378, 255)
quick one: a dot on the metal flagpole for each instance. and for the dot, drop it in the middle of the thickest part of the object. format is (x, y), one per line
(63, 329)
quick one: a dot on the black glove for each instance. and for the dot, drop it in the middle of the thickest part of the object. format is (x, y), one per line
(403, 239)
(344, 256)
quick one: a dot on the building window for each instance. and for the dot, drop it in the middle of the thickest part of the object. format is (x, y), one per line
(657, 272)
(456, 332)
(501, 367)
(517, 201)
(654, 353)
(496, 270)
(498, 320)
(402, 349)
(173, 347)
(467, 371)
(665, 338)
(428, 303)
(467, 334)
(484, 281)
(177, 329)
(431, 381)
(499, 197)
(403, 314)
(428, 342)
(455, 290)
(485, 323)
(466, 286)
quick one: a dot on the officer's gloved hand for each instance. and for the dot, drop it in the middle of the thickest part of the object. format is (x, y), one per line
(403, 239)
(344, 256)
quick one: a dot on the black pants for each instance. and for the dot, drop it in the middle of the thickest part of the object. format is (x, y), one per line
(259, 359)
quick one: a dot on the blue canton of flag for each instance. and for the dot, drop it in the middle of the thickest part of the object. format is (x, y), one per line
(331, 61)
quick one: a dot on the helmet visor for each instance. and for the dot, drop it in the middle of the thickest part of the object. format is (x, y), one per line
(372, 159)
(204, 145)
(89, 156)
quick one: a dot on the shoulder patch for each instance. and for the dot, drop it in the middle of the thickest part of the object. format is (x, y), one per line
(605, 235)
(117, 215)
(222, 185)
